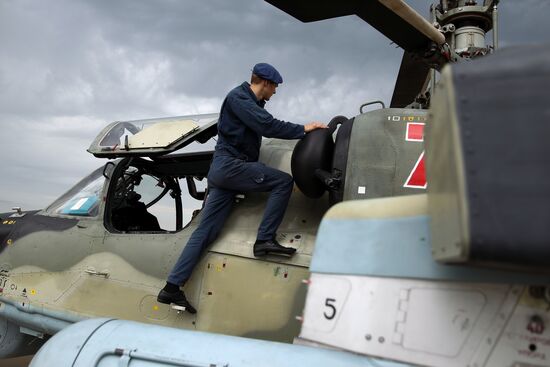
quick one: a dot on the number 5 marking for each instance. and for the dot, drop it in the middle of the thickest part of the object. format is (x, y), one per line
(328, 303)
(417, 177)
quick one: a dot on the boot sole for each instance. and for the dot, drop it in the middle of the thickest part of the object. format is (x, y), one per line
(264, 253)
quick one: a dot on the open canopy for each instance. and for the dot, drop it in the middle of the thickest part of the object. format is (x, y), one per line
(153, 137)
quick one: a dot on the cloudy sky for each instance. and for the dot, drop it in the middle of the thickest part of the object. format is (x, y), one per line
(69, 67)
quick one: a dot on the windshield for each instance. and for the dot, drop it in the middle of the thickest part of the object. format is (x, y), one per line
(82, 199)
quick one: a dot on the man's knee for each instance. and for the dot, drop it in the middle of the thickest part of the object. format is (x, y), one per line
(290, 180)
(286, 181)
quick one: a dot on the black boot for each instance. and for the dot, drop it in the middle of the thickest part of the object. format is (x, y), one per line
(177, 298)
(262, 248)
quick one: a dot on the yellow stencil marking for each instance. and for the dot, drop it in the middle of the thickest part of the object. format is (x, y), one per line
(5, 222)
(155, 308)
(218, 268)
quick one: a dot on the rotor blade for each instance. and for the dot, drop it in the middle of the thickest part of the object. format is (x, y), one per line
(410, 80)
(403, 10)
(393, 18)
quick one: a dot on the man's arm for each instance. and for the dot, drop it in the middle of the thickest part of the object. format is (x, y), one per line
(262, 122)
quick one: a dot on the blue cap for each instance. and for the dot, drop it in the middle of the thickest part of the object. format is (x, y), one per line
(267, 72)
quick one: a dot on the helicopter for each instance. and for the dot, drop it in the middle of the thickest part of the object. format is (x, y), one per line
(409, 283)
(104, 236)
(347, 177)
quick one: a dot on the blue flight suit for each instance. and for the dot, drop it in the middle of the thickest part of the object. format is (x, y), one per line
(235, 169)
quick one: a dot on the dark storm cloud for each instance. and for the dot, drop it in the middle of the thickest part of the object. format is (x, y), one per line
(524, 21)
(69, 67)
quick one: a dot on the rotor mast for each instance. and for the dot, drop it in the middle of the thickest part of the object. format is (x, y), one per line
(465, 24)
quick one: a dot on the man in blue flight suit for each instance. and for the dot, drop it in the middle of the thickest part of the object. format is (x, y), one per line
(235, 169)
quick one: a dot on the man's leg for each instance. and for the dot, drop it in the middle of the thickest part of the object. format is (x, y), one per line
(216, 210)
(257, 177)
(280, 184)
(277, 203)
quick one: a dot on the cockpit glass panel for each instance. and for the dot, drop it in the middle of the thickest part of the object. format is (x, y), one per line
(152, 136)
(83, 199)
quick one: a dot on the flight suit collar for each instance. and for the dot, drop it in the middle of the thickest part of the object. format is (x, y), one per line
(246, 87)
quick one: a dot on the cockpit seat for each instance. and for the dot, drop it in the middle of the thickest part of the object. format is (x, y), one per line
(132, 215)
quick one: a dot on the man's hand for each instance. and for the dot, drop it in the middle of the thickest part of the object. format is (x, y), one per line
(313, 126)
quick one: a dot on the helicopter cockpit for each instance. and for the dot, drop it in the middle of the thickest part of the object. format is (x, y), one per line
(144, 193)
(129, 212)
(146, 196)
